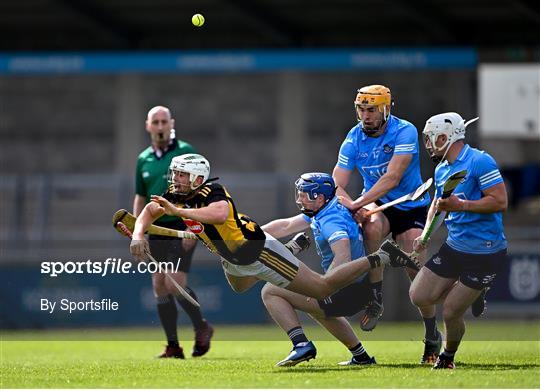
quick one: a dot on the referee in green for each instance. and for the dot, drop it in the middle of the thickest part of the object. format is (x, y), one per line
(151, 179)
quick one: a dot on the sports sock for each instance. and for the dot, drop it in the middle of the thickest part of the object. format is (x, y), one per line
(168, 314)
(359, 353)
(376, 288)
(193, 312)
(449, 354)
(297, 335)
(430, 325)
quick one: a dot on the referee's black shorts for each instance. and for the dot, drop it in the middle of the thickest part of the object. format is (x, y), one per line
(403, 220)
(170, 249)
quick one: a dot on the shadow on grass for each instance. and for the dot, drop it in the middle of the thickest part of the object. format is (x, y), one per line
(312, 369)
(470, 366)
(465, 366)
(497, 366)
(341, 368)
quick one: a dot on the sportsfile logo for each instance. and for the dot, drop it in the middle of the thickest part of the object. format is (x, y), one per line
(110, 266)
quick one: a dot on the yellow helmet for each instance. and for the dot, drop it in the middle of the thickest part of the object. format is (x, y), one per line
(375, 95)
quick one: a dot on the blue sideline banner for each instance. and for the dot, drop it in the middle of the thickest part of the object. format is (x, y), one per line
(238, 61)
(518, 282)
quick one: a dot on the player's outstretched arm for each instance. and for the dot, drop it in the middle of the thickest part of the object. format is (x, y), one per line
(150, 213)
(216, 213)
(139, 247)
(164, 206)
(279, 228)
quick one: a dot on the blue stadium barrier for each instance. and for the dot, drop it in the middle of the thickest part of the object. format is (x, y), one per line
(238, 61)
(518, 282)
(516, 289)
(524, 182)
(23, 287)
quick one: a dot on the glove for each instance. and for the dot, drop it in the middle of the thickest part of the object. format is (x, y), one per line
(298, 243)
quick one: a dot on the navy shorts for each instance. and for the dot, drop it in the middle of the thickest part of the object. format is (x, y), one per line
(403, 220)
(476, 271)
(170, 249)
(348, 301)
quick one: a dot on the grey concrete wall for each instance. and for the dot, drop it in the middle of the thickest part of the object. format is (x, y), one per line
(57, 124)
(260, 122)
(512, 152)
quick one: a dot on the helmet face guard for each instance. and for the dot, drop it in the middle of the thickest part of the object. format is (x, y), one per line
(308, 210)
(431, 149)
(175, 186)
(377, 96)
(450, 124)
(193, 164)
(309, 187)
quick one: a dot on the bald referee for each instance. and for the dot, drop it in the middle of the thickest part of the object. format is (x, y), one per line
(150, 179)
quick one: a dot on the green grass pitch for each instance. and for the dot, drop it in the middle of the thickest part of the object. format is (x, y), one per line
(244, 357)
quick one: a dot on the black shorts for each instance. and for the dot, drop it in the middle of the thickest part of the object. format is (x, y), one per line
(348, 301)
(403, 220)
(170, 249)
(476, 271)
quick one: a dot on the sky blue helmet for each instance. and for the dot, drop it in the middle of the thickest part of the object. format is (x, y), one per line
(314, 184)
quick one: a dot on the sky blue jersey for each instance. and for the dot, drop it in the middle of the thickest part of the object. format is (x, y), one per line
(371, 157)
(333, 223)
(472, 232)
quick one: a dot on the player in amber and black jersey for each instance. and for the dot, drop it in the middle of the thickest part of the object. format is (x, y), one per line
(239, 240)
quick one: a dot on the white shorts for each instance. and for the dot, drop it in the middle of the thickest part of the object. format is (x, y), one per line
(276, 264)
